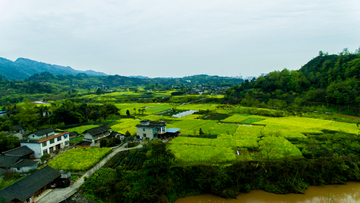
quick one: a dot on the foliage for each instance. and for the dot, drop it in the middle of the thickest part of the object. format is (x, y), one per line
(45, 157)
(8, 142)
(324, 80)
(79, 159)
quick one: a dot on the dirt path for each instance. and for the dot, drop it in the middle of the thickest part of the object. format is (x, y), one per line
(61, 194)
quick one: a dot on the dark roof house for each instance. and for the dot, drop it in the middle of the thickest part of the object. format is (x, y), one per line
(8, 161)
(22, 151)
(43, 131)
(97, 130)
(31, 185)
(95, 134)
(24, 163)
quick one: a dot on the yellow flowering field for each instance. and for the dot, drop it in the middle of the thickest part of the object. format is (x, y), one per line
(79, 159)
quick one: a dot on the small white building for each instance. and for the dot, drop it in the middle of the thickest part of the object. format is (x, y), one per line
(47, 142)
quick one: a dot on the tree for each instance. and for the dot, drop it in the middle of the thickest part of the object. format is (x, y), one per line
(128, 112)
(127, 134)
(157, 166)
(28, 116)
(201, 133)
(45, 157)
(99, 91)
(8, 142)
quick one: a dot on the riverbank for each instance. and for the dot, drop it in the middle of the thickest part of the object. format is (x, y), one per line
(350, 192)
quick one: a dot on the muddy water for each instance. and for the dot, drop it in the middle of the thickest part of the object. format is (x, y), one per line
(329, 193)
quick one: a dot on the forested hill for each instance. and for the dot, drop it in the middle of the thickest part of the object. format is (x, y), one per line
(324, 80)
(23, 68)
(86, 81)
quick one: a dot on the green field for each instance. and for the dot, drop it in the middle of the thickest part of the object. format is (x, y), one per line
(263, 138)
(79, 159)
(81, 129)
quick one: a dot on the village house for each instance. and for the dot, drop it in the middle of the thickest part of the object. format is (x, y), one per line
(46, 141)
(150, 129)
(94, 135)
(31, 187)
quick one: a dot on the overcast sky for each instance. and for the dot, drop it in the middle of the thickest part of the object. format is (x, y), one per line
(177, 38)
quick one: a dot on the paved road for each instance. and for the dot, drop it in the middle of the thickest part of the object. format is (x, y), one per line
(60, 194)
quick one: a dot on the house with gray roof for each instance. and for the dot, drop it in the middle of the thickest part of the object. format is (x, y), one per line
(150, 129)
(95, 134)
(21, 152)
(32, 186)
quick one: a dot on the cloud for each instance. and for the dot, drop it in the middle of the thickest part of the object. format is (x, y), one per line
(176, 38)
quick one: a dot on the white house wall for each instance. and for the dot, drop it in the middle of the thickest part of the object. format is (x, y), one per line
(38, 148)
(24, 169)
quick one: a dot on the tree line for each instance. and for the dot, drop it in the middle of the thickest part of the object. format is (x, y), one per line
(329, 80)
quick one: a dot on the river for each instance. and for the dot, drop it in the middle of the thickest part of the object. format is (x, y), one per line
(327, 193)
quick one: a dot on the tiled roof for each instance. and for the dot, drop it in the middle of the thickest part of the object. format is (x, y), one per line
(25, 188)
(8, 161)
(19, 151)
(43, 131)
(153, 124)
(97, 130)
(23, 163)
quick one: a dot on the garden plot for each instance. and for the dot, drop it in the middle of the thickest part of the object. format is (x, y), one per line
(79, 159)
(126, 125)
(209, 127)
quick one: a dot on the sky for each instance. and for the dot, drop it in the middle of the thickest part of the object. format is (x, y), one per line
(178, 38)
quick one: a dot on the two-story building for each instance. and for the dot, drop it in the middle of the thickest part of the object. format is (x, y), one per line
(150, 129)
(46, 141)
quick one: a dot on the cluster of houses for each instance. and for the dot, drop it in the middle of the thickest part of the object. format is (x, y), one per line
(25, 159)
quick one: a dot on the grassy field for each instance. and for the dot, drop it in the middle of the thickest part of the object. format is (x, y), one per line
(79, 159)
(81, 129)
(150, 108)
(209, 127)
(126, 125)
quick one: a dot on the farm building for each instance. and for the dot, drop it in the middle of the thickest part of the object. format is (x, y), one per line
(95, 134)
(32, 186)
(150, 129)
(46, 142)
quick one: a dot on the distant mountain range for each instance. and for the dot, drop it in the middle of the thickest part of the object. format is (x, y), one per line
(23, 68)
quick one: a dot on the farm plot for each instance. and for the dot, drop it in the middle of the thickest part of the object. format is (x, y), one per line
(79, 159)
(191, 127)
(277, 148)
(235, 118)
(150, 108)
(307, 125)
(248, 131)
(81, 129)
(191, 154)
(126, 125)
(129, 160)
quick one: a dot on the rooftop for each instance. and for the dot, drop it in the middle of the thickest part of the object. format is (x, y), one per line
(43, 139)
(19, 151)
(97, 130)
(25, 188)
(8, 161)
(43, 131)
(23, 163)
(153, 124)
(172, 130)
